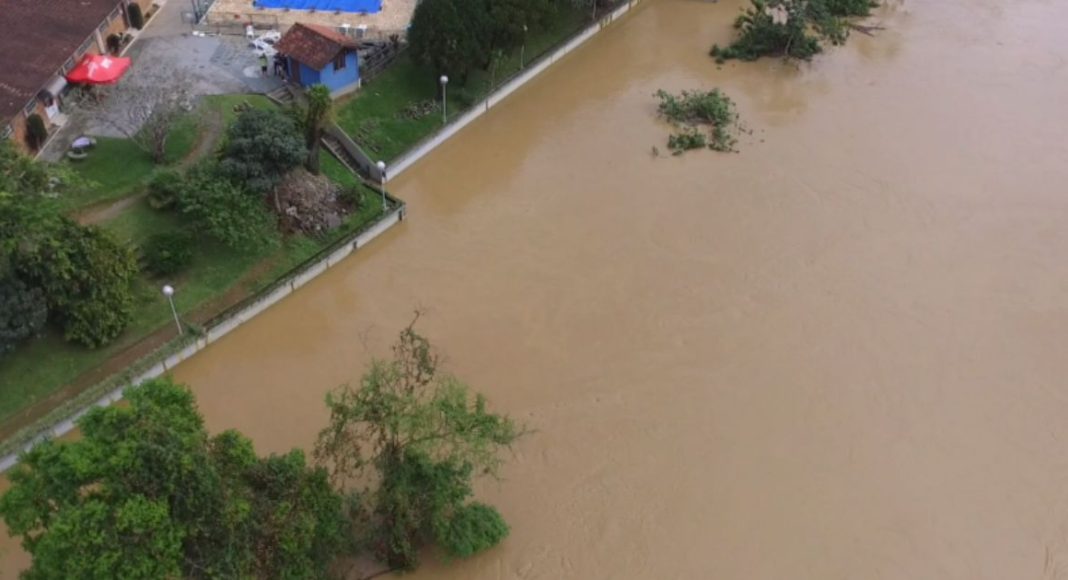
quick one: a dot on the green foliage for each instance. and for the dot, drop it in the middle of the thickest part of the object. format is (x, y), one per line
(691, 109)
(352, 195)
(23, 312)
(447, 39)
(261, 147)
(225, 210)
(36, 131)
(471, 529)
(796, 33)
(760, 34)
(164, 188)
(424, 438)
(455, 37)
(168, 253)
(86, 276)
(137, 18)
(689, 138)
(147, 494)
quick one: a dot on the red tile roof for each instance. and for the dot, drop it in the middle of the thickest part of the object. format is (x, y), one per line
(36, 38)
(313, 45)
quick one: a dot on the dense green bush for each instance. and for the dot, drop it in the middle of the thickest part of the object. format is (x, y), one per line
(352, 196)
(225, 210)
(36, 131)
(23, 312)
(86, 276)
(470, 529)
(261, 147)
(164, 188)
(168, 253)
(137, 18)
(691, 109)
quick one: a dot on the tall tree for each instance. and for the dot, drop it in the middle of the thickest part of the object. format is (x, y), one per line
(147, 494)
(449, 40)
(423, 437)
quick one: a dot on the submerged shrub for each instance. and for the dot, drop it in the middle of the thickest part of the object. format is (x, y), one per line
(692, 109)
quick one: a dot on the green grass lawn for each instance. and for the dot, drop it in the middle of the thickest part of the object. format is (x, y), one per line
(374, 115)
(41, 367)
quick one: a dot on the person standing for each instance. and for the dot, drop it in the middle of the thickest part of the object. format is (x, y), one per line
(263, 64)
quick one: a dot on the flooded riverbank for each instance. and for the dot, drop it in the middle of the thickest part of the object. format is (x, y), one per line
(836, 354)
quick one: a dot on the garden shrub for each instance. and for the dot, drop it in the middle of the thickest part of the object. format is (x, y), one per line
(86, 276)
(164, 188)
(168, 253)
(352, 196)
(261, 147)
(226, 211)
(23, 312)
(36, 131)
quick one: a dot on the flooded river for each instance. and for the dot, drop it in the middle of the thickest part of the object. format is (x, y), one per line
(838, 354)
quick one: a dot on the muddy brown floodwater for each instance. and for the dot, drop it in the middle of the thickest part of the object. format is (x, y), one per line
(838, 354)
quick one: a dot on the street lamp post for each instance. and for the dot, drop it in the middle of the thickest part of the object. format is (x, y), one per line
(382, 182)
(168, 291)
(523, 48)
(444, 115)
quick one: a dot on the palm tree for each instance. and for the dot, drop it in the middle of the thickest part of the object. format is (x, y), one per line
(313, 118)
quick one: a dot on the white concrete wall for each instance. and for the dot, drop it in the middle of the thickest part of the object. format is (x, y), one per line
(407, 159)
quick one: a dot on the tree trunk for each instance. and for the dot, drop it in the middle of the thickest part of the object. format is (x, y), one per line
(313, 157)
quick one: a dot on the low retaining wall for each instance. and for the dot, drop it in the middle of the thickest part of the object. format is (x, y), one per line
(220, 327)
(405, 160)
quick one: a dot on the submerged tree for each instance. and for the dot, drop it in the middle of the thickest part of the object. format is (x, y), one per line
(146, 493)
(421, 438)
(791, 28)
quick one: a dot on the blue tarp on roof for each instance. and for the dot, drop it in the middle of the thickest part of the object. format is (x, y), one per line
(360, 6)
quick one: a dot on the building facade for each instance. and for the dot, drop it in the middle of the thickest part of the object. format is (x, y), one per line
(320, 55)
(41, 42)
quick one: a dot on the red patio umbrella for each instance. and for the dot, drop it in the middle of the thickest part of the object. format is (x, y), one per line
(95, 69)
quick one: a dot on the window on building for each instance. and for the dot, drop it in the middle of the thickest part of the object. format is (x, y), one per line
(104, 25)
(339, 61)
(67, 66)
(30, 107)
(6, 131)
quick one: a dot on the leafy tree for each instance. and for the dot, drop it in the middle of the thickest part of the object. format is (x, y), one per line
(424, 437)
(451, 41)
(511, 20)
(791, 28)
(147, 494)
(313, 118)
(225, 210)
(86, 276)
(23, 312)
(261, 147)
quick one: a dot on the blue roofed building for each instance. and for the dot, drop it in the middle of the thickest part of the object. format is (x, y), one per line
(320, 55)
